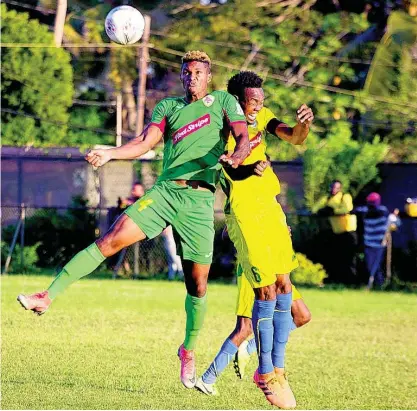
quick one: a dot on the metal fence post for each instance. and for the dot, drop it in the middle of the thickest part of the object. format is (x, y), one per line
(136, 260)
(22, 235)
(9, 256)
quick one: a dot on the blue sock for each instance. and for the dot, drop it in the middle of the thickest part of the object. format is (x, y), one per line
(223, 358)
(282, 327)
(263, 328)
(251, 348)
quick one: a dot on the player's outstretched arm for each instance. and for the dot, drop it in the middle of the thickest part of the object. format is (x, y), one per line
(295, 135)
(140, 145)
(242, 149)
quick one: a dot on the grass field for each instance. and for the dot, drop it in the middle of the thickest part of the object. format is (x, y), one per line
(112, 345)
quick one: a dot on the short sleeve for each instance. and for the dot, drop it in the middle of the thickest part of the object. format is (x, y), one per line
(159, 115)
(232, 110)
(271, 121)
(269, 115)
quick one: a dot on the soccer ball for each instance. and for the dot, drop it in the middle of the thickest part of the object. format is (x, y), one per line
(124, 25)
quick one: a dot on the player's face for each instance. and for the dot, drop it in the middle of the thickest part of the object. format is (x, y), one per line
(335, 188)
(195, 76)
(254, 101)
(138, 191)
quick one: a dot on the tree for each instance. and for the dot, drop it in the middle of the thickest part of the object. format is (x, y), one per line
(339, 157)
(37, 84)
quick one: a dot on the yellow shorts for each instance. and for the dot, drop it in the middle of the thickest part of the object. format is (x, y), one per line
(258, 229)
(246, 296)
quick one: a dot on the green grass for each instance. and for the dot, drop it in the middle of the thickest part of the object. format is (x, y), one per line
(112, 345)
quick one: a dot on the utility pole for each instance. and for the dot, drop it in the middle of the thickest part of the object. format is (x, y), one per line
(61, 12)
(119, 127)
(142, 65)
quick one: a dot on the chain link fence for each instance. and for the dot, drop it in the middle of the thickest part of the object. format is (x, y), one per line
(45, 238)
(48, 237)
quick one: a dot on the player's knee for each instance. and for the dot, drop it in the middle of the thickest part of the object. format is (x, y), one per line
(108, 245)
(283, 284)
(196, 288)
(201, 289)
(267, 293)
(303, 318)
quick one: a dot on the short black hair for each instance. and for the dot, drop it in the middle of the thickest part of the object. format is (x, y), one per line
(242, 80)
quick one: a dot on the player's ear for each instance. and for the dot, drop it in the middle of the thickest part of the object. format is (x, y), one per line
(209, 77)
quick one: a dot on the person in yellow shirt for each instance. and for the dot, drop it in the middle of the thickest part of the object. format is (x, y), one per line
(341, 256)
(257, 226)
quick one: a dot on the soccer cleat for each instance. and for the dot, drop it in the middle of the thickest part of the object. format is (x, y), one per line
(266, 383)
(38, 303)
(241, 359)
(283, 390)
(208, 389)
(188, 371)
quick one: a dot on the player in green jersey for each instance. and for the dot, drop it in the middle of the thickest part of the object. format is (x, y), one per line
(183, 196)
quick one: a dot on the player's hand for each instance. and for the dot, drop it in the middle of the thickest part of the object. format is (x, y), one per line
(305, 115)
(227, 160)
(98, 158)
(260, 167)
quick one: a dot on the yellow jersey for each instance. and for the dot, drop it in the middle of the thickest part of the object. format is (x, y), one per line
(254, 184)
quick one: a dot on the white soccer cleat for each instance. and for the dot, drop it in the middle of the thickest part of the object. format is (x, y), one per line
(241, 360)
(208, 389)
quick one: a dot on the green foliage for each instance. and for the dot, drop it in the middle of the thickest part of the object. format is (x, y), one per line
(91, 117)
(393, 74)
(36, 81)
(308, 273)
(403, 151)
(58, 236)
(340, 157)
(30, 258)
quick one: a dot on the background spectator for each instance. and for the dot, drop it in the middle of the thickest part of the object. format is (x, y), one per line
(340, 259)
(174, 261)
(377, 223)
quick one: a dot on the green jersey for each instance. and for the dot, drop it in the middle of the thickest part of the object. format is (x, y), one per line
(193, 135)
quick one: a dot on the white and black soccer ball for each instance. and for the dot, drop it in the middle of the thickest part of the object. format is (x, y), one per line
(124, 25)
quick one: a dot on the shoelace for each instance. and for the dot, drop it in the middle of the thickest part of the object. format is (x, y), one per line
(40, 295)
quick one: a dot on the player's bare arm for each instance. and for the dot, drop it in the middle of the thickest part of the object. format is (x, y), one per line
(240, 133)
(295, 135)
(140, 145)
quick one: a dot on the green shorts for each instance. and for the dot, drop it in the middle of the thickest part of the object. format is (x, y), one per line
(189, 211)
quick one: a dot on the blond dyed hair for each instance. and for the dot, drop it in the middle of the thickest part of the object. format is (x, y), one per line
(196, 55)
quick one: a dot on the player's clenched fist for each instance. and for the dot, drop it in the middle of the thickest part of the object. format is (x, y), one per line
(305, 115)
(260, 167)
(98, 158)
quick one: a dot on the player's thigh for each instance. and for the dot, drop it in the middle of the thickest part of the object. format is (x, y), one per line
(122, 233)
(153, 212)
(194, 227)
(245, 295)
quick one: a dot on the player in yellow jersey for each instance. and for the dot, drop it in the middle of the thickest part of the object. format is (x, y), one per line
(257, 227)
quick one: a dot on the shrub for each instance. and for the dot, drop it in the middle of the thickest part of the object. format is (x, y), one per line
(308, 273)
(59, 235)
(30, 257)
